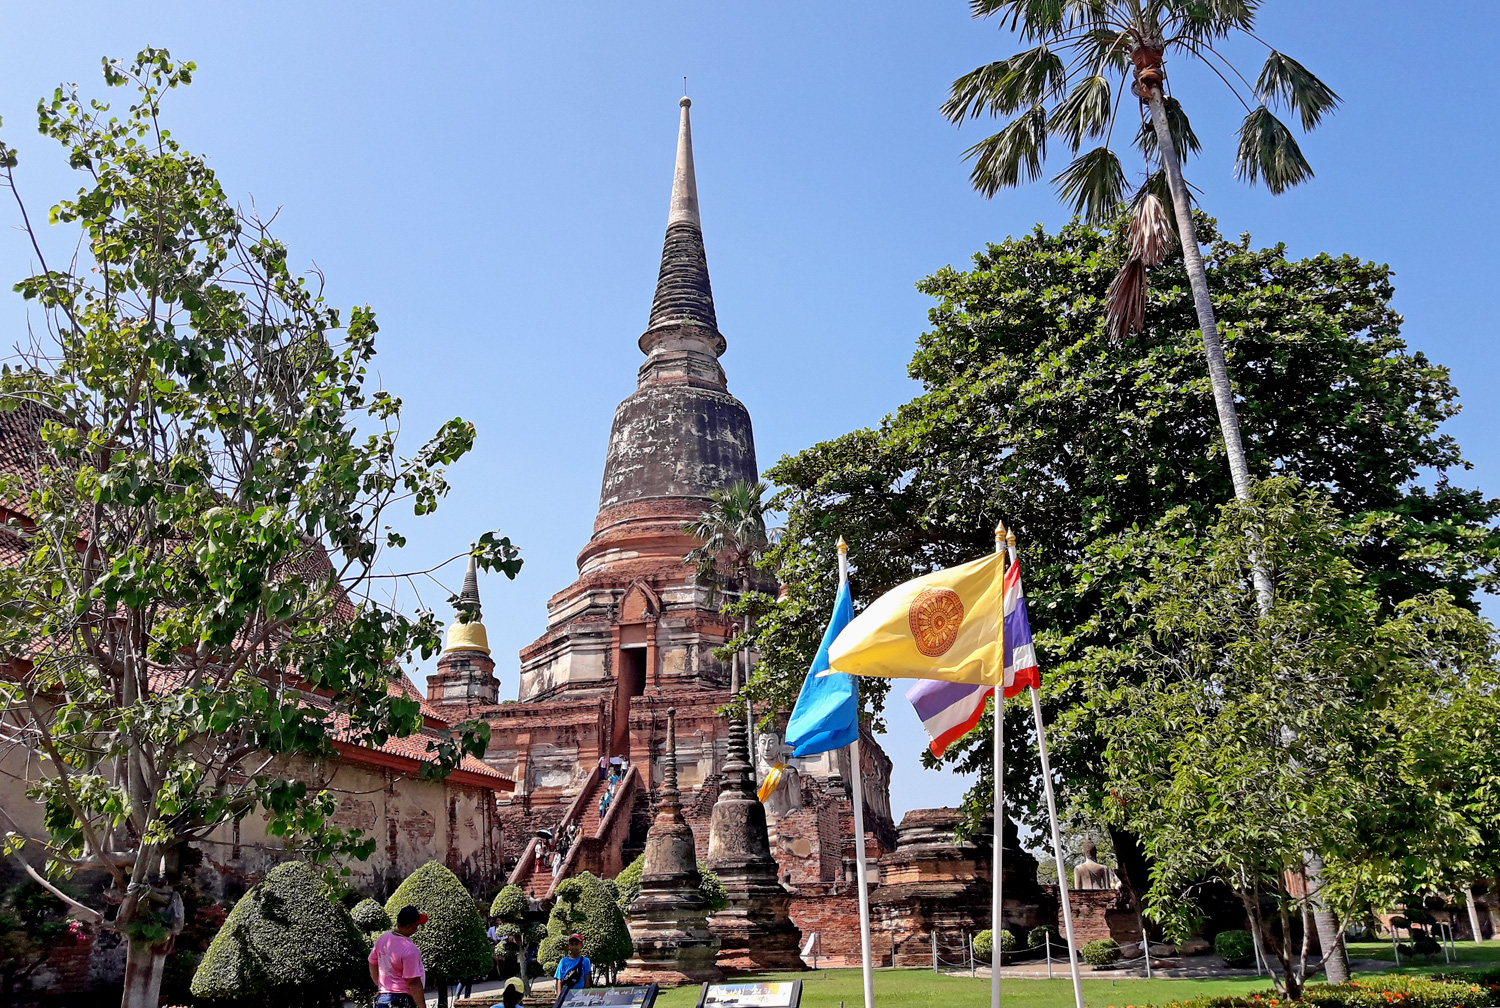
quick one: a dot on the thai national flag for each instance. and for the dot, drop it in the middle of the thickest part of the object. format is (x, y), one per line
(949, 710)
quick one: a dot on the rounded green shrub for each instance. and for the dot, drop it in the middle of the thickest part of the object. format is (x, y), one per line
(628, 882)
(284, 944)
(370, 916)
(453, 943)
(1100, 952)
(1236, 948)
(984, 944)
(1038, 936)
(589, 906)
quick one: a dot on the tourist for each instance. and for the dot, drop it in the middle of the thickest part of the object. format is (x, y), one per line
(514, 990)
(396, 963)
(604, 803)
(603, 767)
(557, 860)
(574, 968)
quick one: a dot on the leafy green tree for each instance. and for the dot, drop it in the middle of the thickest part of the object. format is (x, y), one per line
(1103, 48)
(589, 906)
(453, 943)
(1030, 412)
(509, 911)
(285, 943)
(209, 490)
(1256, 739)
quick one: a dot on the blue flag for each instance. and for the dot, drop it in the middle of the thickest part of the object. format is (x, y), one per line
(827, 713)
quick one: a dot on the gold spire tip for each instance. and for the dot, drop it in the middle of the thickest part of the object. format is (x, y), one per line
(843, 546)
(1010, 536)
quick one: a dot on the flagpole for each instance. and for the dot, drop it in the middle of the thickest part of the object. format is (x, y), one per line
(857, 792)
(997, 917)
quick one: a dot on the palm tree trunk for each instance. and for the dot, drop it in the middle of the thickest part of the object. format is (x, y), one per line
(1336, 957)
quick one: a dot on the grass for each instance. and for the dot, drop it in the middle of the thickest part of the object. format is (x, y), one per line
(924, 989)
(1469, 953)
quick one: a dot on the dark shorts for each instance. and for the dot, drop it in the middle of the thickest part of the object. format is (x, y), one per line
(385, 998)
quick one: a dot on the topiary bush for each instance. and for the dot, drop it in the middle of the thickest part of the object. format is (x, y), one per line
(628, 882)
(453, 943)
(1038, 936)
(516, 933)
(984, 944)
(589, 906)
(285, 944)
(1100, 952)
(1236, 948)
(369, 916)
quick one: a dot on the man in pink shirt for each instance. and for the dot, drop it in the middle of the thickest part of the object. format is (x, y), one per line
(396, 963)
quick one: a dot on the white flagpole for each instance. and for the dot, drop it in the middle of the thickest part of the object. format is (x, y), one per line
(1057, 854)
(1062, 877)
(997, 904)
(857, 792)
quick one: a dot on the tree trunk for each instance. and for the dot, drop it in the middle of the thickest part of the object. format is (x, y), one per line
(144, 962)
(1336, 956)
(1473, 913)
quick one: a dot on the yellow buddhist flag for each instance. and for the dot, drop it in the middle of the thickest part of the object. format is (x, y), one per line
(943, 625)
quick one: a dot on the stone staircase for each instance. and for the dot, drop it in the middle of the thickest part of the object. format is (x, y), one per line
(600, 844)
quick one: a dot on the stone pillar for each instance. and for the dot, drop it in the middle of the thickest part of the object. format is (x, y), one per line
(755, 929)
(668, 920)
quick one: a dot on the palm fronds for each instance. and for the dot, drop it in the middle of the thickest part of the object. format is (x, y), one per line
(1084, 114)
(1012, 156)
(1285, 81)
(1005, 86)
(1125, 308)
(1184, 140)
(1093, 184)
(1269, 152)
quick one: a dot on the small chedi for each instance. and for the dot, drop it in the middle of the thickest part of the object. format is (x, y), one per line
(669, 919)
(755, 928)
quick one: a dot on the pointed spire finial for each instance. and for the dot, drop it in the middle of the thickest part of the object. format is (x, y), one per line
(470, 593)
(669, 793)
(684, 179)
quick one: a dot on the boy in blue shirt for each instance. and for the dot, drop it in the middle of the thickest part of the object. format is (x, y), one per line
(574, 968)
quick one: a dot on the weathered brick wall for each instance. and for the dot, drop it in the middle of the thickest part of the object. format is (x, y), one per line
(832, 912)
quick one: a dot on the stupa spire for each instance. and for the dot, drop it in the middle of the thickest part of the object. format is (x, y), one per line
(470, 594)
(468, 634)
(684, 298)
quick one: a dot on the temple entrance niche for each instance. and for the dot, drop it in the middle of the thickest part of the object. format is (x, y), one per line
(634, 659)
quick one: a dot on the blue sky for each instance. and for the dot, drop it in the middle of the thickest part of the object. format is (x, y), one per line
(493, 179)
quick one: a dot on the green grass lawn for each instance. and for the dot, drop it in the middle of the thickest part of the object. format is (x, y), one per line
(1471, 953)
(925, 989)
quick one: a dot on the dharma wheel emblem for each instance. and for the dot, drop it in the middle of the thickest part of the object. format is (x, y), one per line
(935, 616)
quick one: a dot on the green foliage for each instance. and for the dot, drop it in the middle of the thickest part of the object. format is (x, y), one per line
(212, 468)
(589, 906)
(1408, 991)
(1257, 737)
(453, 943)
(284, 943)
(1235, 947)
(628, 882)
(984, 945)
(369, 916)
(1038, 936)
(1100, 952)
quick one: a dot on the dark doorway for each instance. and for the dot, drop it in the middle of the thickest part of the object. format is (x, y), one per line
(631, 683)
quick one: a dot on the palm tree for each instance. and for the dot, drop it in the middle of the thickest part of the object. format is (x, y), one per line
(1085, 55)
(1072, 84)
(731, 533)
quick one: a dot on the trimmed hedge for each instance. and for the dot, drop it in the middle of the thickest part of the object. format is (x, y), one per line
(369, 916)
(1448, 991)
(1236, 948)
(453, 943)
(984, 944)
(628, 882)
(589, 906)
(1037, 936)
(1100, 952)
(284, 944)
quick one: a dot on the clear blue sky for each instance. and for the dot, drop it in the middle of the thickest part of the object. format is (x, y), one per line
(493, 179)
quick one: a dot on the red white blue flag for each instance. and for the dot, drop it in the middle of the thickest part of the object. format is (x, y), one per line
(950, 710)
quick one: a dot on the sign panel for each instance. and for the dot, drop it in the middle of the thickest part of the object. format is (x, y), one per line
(590, 997)
(762, 994)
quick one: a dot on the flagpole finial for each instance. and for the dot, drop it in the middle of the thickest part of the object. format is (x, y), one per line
(1010, 537)
(843, 546)
(999, 536)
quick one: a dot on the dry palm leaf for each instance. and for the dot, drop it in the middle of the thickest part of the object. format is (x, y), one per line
(1151, 232)
(1126, 308)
